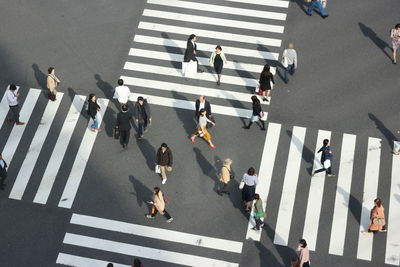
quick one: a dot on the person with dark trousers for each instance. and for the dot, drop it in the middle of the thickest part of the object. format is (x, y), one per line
(93, 108)
(257, 113)
(266, 78)
(12, 96)
(202, 103)
(3, 172)
(316, 3)
(191, 51)
(142, 115)
(158, 205)
(123, 124)
(326, 158)
(217, 60)
(164, 160)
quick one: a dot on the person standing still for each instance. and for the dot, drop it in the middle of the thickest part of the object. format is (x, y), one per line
(164, 160)
(225, 177)
(257, 113)
(266, 78)
(258, 212)
(326, 158)
(217, 59)
(93, 108)
(289, 61)
(158, 205)
(304, 253)
(316, 3)
(191, 51)
(142, 115)
(201, 129)
(122, 92)
(52, 83)
(12, 96)
(377, 220)
(124, 120)
(3, 172)
(250, 180)
(395, 35)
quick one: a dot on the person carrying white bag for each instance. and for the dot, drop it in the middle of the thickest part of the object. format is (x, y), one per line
(190, 64)
(326, 158)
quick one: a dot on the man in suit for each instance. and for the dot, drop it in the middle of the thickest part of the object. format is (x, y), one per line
(142, 115)
(3, 172)
(191, 51)
(124, 119)
(200, 104)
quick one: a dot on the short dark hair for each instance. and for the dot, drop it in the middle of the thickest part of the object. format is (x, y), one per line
(157, 189)
(256, 196)
(120, 82)
(378, 202)
(397, 26)
(219, 47)
(91, 96)
(164, 145)
(140, 98)
(110, 265)
(13, 87)
(137, 262)
(303, 243)
(201, 111)
(326, 142)
(50, 70)
(191, 37)
(125, 107)
(251, 171)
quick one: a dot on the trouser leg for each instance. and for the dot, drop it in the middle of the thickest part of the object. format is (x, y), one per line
(140, 129)
(163, 172)
(167, 215)
(15, 111)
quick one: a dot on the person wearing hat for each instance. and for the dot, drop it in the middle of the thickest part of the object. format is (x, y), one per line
(12, 96)
(3, 172)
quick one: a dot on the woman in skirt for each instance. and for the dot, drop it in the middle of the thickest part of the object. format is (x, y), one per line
(217, 59)
(201, 129)
(257, 113)
(250, 180)
(266, 78)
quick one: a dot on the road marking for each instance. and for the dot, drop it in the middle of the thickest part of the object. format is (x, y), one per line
(221, 9)
(59, 150)
(157, 233)
(72, 260)
(32, 155)
(240, 81)
(143, 252)
(289, 187)
(4, 107)
(210, 34)
(213, 21)
(274, 3)
(206, 47)
(17, 131)
(81, 159)
(315, 195)
(364, 250)
(393, 235)
(266, 168)
(343, 187)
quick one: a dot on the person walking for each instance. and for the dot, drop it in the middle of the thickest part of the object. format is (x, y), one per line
(123, 124)
(258, 212)
(142, 115)
(122, 92)
(225, 176)
(52, 83)
(217, 59)
(304, 253)
(289, 61)
(12, 96)
(164, 160)
(3, 172)
(326, 158)
(93, 108)
(191, 51)
(377, 219)
(266, 78)
(202, 103)
(316, 3)
(137, 262)
(257, 115)
(201, 129)
(250, 181)
(395, 35)
(158, 205)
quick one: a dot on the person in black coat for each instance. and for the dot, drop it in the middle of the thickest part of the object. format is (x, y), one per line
(124, 120)
(142, 115)
(164, 160)
(3, 172)
(256, 113)
(93, 108)
(191, 51)
(202, 103)
(266, 78)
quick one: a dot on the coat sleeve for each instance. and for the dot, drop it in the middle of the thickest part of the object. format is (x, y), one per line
(158, 156)
(208, 108)
(170, 158)
(118, 122)
(272, 79)
(223, 57)
(147, 108)
(197, 106)
(211, 60)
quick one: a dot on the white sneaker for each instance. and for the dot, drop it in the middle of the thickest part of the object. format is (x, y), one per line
(164, 181)
(170, 220)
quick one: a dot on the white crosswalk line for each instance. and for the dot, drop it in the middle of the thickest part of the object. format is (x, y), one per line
(17, 131)
(72, 260)
(364, 250)
(213, 21)
(289, 186)
(206, 47)
(59, 150)
(392, 255)
(340, 212)
(32, 155)
(274, 3)
(81, 159)
(315, 195)
(221, 9)
(143, 252)
(265, 173)
(4, 107)
(210, 34)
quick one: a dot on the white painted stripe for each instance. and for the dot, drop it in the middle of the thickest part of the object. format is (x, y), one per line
(4, 107)
(339, 221)
(289, 187)
(221, 9)
(315, 195)
(184, 104)
(393, 235)
(157, 233)
(32, 155)
(210, 34)
(206, 47)
(143, 252)
(235, 80)
(274, 3)
(17, 131)
(265, 173)
(72, 260)
(59, 150)
(81, 159)
(213, 21)
(364, 250)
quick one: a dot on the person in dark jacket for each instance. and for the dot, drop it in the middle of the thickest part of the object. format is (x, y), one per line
(257, 113)
(3, 172)
(124, 120)
(142, 115)
(200, 104)
(191, 51)
(326, 158)
(93, 108)
(164, 160)
(266, 78)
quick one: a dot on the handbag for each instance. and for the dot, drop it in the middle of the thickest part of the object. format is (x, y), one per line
(157, 169)
(52, 96)
(327, 163)
(263, 116)
(117, 133)
(241, 185)
(378, 221)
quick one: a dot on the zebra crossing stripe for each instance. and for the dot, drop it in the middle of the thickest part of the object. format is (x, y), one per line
(32, 155)
(81, 159)
(364, 250)
(289, 187)
(210, 34)
(59, 150)
(274, 3)
(72, 260)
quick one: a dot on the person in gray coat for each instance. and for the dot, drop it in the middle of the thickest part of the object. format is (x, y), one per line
(142, 115)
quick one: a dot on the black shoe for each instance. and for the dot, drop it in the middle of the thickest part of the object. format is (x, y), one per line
(394, 62)
(262, 129)
(325, 16)
(308, 14)
(265, 99)
(219, 193)
(218, 83)
(246, 127)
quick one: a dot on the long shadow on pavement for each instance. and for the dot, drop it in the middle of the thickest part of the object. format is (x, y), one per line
(41, 78)
(368, 32)
(108, 91)
(148, 152)
(206, 167)
(308, 155)
(382, 128)
(286, 253)
(187, 123)
(354, 204)
(141, 191)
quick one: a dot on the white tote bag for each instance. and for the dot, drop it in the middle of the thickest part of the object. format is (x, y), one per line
(263, 116)
(327, 163)
(189, 69)
(157, 169)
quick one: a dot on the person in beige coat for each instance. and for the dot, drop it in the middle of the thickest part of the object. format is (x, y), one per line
(225, 176)
(158, 205)
(52, 83)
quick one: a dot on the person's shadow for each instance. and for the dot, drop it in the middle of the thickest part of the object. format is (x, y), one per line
(206, 167)
(382, 128)
(301, 4)
(148, 152)
(141, 192)
(307, 154)
(41, 78)
(108, 91)
(368, 32)
(185, 117)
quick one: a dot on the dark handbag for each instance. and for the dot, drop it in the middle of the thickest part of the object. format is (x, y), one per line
(211, 118)
(231, 175)
(117, 133)
(52, 96)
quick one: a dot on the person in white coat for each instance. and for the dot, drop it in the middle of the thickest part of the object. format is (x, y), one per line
(289, 61)
(122, 92)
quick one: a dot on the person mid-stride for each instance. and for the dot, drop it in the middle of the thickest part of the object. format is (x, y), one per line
(326, 159)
